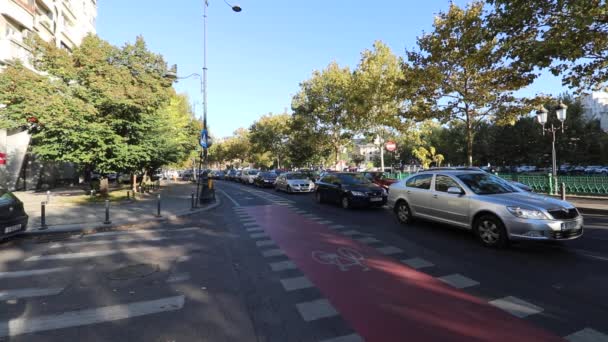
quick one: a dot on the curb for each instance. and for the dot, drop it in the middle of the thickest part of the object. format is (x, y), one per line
(92, 228)
(592, 211)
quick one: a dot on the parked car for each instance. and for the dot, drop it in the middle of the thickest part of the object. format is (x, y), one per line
(230, 174)
(294, 182)
(591, 169)
(602, 171)
(13, 219)
(237, 176)
(220, 175)
(494, 209)
(349, 190)
(248, 176)
(380, 178)
(265, 179)
(124, 178)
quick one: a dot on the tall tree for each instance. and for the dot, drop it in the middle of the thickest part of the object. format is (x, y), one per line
(461, 73)
(375, 98)
(323, 102)
(568, 37)
(270, 134)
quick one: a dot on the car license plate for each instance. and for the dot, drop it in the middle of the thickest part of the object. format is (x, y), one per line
(11, 229)
(376, 199)
(570, 225)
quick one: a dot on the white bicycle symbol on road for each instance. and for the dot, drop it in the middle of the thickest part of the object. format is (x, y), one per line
(344, 258)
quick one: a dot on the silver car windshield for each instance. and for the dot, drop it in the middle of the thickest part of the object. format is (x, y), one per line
(486, 184)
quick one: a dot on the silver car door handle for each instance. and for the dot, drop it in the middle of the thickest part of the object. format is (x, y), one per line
(434, 196)
(409, 192)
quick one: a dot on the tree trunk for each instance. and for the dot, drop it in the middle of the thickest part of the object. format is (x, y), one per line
(134, 182)
(469, 139)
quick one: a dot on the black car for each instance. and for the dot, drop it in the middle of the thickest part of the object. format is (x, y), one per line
(13, 219)
(349, 190)
(265, 179)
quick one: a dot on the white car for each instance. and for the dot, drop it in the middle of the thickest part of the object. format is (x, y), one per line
(294, 182)
(248, 176)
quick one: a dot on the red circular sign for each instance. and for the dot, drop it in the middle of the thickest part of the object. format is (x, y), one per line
(390, 146)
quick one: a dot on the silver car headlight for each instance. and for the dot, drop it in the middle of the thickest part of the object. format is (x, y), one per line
(384, 192)
(528, 213)
(357, 193)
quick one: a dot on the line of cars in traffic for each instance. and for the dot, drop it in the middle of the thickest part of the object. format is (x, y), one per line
(495, 210)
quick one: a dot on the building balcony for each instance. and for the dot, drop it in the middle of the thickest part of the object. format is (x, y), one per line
(68, 10)
(18, 12)
(47, 3)
(11, 50)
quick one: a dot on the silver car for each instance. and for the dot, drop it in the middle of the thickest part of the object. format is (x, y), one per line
(294, 182)
(495, 210)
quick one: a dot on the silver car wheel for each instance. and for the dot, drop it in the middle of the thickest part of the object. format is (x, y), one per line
(488, 231)
(403, 213)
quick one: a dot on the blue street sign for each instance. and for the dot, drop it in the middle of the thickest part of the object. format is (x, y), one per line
(205, 141)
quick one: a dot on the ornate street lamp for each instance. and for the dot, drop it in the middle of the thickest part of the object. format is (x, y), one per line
(542, 116)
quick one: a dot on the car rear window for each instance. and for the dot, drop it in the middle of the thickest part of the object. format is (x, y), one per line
(420, 182)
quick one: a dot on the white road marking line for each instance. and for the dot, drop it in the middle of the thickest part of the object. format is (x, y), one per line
(297, 283)
(264, 243)
(250, 224)
(516, 306)
(337, 226)
(272, 253)
(28, 293)
(417, 263)
(18, 274)
(91, 254)
(258, 235)
(346, 338)
(301, 211)
(255, 229)
(139, 231)
(183, 258)
(315, 218)
(351, 232)
(127, 240)
(388, 250)
(458, 281)
(368, 240)
(325, 222)
(310, 215)
(177, 277)
(69, 319)
(236, 204)
(587, 335)
(282, 266)
(317, 309)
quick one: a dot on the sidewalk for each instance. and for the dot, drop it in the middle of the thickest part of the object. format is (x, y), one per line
(65, 215)
(590, 206)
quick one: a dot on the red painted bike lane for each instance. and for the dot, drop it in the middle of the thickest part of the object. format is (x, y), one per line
(384, 300)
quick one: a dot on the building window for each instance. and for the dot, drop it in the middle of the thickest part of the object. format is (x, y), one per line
(11, 31)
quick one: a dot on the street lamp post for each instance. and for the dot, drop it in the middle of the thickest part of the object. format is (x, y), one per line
(541, 116)
(204, 141)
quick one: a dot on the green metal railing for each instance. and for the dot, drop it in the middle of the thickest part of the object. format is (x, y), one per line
(544, 183)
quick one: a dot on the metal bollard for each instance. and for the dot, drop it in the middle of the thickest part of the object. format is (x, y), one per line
(93, 193)
(48, 196)
(158, 205)
(107, 221)
(127, 195)
(43, 216)
(563, 191)
(192, 201)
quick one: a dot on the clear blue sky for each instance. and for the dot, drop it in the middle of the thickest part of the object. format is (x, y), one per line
(256, 58)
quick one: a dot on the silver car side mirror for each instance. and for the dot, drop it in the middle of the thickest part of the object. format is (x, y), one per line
(454, 190)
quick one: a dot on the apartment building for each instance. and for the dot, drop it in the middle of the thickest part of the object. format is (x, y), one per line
(64, 22)
(596, 107)
(368, 150)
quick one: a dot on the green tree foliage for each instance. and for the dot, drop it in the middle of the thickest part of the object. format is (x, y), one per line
(568, 37)
(269, 136)
(101, 107)
(322, 104)
(460, 73)
(428, 156)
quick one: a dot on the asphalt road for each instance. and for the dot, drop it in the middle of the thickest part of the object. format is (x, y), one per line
(243, 272)
(565, 281)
